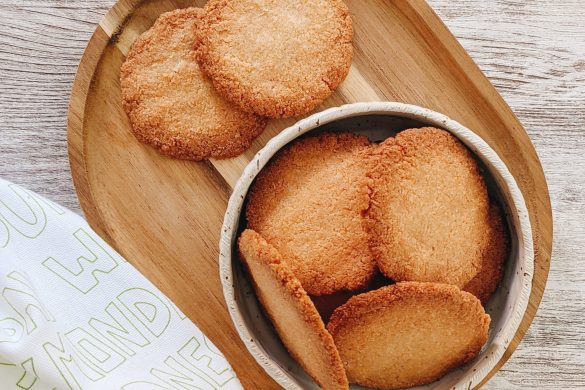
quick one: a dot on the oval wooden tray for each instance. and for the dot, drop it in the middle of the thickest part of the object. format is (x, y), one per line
(165, 215)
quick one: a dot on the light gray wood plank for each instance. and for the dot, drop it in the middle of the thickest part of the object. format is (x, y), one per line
(532, 51)
(41, 43)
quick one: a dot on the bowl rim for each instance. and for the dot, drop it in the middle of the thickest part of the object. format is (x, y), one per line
(386, 108)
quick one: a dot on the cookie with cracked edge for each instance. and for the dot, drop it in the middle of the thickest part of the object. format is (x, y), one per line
(291, 311)
(276, 58)
(171, 104)
(408, 334)
(429, 217)
(309, 202)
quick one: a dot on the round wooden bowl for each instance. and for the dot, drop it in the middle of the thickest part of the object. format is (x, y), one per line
(379, 121)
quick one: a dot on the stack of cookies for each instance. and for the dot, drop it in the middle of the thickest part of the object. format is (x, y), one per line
(202, 83)
(394, 245)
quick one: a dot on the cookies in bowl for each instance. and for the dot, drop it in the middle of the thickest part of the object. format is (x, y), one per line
(430, 227)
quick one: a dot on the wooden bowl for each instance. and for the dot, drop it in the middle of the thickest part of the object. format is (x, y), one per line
(379, 121)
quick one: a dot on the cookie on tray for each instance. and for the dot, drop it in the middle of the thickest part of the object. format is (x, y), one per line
(309, 202)
(408, 334)
(291, 311)
(275, 58)
(171, 104)
(429, 218)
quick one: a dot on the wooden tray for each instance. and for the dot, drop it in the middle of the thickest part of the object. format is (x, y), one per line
(165, 215)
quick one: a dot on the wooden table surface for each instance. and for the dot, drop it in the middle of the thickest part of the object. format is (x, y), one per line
(533, 52)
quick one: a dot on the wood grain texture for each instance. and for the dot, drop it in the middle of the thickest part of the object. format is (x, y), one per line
(532, 52)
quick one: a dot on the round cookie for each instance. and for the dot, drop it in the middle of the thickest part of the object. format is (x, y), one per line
(429, 215)
(292, 313)
(408, 334)
(491, 269)
(308, 202)
(276, 58)
(171, 103)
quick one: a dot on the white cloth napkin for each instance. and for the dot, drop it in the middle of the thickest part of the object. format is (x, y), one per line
(75, 315)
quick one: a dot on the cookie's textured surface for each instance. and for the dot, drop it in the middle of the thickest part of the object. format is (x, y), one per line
(292, 313)
(275, 58)
(491, 268)
(408, 334)
(429, 215)
(309, 203)
(171, 103)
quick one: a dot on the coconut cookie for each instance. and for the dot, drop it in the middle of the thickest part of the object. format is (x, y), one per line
(429, 218)
(491, 270)
(171, 104)
(292, 313)
(275, 58)
(408, 334)
(308, 202)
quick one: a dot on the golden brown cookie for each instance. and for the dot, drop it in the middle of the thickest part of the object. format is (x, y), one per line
(292, 313)
(408, 334)
(308, 202)
(491, 269)
(429, 215)
(171, 103)
(275, 58)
